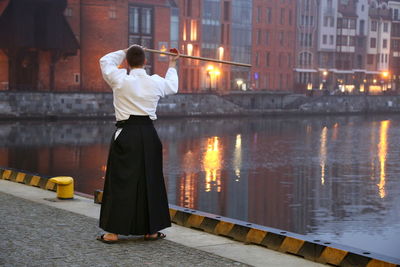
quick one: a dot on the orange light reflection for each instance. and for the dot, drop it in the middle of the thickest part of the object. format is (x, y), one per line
(212, 164)
(382, 147)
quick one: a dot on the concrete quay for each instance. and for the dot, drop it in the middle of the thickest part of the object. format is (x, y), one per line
(39, 230)
(51, 105)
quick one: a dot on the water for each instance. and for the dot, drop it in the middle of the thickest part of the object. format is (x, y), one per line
(331, 178)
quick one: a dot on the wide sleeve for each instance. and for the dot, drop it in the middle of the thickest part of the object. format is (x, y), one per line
(109, 68)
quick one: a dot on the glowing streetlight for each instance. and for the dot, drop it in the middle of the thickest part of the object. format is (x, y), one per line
(221, 53)
(239, 83)
(385, 74)
(325, 73)
(190, 49)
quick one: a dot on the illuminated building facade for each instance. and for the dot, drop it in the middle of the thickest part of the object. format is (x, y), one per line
(219, 29)
(274, 27)
(394, 58)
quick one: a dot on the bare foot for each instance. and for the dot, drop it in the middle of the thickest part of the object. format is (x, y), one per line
(151, 236)
(110, 237)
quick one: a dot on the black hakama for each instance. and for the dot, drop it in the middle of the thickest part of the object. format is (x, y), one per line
(134, 199)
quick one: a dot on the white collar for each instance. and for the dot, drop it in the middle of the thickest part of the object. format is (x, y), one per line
(138, 72)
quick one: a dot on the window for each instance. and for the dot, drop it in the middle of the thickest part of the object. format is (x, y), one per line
(384, 43)
(326, 21)
(259, 14)
(339, 22)
(374, 25)
(257, 58)
(331, 39)
(307, 5)
(280, 60)
(370, 59)
(289, 57)
(112, 13)
(332, 22)
(396, 14)
(290, 17)
(385, 27)
(68, 12)
(330, 6)
(372, 43)
(266, 38)
(395, 45)
(267, 56)
(345, 23)
(282, 16)
(352, 23)
(324, 39)
(281, 40)
(352, 41)
(386, 58)
(269, 15)
(305, 59)
(140, 29)
(362, 24)
(227, 8)
(188, 8)
(77, 78)
(259, 36)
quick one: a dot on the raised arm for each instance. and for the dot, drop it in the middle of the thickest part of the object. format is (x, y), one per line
(109, 68)
(171, 78)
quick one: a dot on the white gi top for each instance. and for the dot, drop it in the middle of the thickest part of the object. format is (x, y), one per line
(136, 93)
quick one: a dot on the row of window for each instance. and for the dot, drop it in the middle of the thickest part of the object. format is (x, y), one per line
(372, 43)
(378, 58)
(266, 40)
(269, 16)
(346, 23)
(305, 39)
(284, 59)
(306, 20)
(325, 39)
(344, 40)
(374, 26)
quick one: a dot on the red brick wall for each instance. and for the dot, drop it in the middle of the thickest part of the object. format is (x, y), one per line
(98, 32)
(273, 72)
(3, 71)
(44, 70)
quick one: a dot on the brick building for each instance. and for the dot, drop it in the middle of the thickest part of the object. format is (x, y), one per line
(95, 27)
(274, 27)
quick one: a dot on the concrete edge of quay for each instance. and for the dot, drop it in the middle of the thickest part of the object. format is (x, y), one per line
(75, 105)
(278, 240)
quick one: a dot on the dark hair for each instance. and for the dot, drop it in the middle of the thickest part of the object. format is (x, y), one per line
(135, 56)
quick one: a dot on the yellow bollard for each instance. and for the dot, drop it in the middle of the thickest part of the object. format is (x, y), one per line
(65, 186)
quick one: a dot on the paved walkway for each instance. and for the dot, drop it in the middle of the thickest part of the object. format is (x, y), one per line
(38, 232)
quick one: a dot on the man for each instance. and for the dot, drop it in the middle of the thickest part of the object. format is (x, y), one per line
(134, 199)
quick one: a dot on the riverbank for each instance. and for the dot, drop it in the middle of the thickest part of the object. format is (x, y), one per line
(50, 105)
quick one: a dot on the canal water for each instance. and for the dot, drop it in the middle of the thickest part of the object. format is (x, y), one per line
(333, 178)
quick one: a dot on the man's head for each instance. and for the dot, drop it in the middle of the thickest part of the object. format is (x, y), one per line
(135, 56)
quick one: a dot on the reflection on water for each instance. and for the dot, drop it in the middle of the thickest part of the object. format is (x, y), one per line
(333, 178)
(382, 147)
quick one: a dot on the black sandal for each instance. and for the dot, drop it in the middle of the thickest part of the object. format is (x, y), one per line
(101, 238)
(159, 236)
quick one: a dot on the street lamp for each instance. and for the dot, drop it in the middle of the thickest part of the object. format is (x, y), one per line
(239, 83)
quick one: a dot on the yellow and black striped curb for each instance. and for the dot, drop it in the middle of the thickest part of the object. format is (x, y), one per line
(314, 250)
(27, 178)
